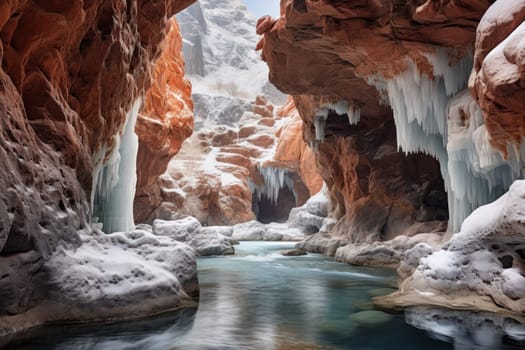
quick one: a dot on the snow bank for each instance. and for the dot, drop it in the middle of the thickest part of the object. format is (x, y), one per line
(121, 275)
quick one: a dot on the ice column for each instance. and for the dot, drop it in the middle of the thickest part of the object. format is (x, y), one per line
(115, 180)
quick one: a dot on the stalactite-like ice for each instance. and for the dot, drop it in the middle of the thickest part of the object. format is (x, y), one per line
(115, 180)
(354, 115)
(342, 108)
(474, 172)
(275, 179)
(478, 172)
(320, 123)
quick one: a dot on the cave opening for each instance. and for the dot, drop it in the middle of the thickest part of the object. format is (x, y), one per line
(267, 210)
(281, 191)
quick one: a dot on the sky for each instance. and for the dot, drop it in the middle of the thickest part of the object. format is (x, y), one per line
(263, 7)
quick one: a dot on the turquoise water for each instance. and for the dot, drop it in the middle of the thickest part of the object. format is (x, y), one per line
(259, 299)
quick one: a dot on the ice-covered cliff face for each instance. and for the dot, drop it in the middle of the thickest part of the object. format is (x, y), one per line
(225, 71)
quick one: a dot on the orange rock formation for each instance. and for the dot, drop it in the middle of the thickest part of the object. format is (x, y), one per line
(166, 120)
(70, 72)
(498, 79)
(324, 52)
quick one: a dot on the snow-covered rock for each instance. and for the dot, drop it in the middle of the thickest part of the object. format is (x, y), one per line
(486, 330)
(189, 230)
(389, 253)
(256, 231)
(249, 231)
(310, 217)
(122, 275)
(481, 267)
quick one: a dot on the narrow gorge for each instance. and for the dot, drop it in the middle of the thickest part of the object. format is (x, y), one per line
(333, 175)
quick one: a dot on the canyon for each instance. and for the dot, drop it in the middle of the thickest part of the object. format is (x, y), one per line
(139, 136)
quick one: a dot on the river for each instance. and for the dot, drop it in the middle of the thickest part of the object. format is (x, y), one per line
(259, 299)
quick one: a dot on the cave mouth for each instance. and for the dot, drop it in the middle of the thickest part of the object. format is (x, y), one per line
(267, 210)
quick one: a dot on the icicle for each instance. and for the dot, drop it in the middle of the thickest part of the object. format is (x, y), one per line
(354, 115)
(419, 104)
(275, 179)
(478, 173)
(320, 123)
(115, 180)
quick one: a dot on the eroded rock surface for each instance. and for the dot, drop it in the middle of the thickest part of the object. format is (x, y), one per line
(71, 73)
(229, 175)
(166, 120)
(481, 267)
(116, 276)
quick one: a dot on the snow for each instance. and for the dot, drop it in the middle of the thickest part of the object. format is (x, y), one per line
(514, 283)
(231, 65)
(228, 179)
(501, 11)
(115, 181)
(444, 264)
(117, 267)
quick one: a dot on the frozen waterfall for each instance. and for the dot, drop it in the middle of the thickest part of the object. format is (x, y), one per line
(116, 178)
(474, 172)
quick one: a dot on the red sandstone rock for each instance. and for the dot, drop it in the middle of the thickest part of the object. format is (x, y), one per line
(166, 120)
(498, 79)
(70, 72)
(324, 52)
(294, 153)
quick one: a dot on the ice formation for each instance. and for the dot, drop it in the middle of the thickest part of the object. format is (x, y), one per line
(116, 178)
(354, 115)
(478, 173)
(341, 108)
(320, 123)
(474, 172)
(275, 179)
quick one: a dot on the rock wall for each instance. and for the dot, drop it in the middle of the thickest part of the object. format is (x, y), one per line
(165, 121)
(342, 47)
(447, 76)
(222, 171)
(71, 71)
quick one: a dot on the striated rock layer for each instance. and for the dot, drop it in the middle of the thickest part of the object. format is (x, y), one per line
(72, 76)
(227, 175)
(369, 77)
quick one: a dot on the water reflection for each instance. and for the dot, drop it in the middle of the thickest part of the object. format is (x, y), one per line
(259, 299)
(469, 330)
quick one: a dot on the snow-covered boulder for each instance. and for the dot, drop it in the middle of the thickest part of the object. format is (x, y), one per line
(481, 267)
(389, 253)
(256, 231)
(249, 231)
(310, 217)
(122, 275)
(189, 230)
(284, 231)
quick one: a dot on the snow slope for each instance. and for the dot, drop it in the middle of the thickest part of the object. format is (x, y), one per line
(219, 49)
